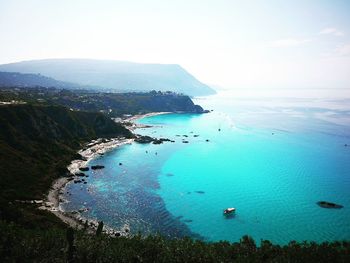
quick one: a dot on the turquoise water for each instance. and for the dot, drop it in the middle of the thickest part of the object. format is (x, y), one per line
(270, 158)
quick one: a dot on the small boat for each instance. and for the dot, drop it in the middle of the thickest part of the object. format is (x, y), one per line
(229, 211)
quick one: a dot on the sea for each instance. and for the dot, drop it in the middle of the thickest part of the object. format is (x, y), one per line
(271, 154)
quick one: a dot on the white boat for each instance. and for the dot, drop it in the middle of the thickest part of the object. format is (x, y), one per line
(229, 211)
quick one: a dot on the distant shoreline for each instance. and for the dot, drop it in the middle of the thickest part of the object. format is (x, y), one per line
(131, 120)
(94, 149)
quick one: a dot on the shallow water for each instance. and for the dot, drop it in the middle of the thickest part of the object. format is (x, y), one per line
(271, 158)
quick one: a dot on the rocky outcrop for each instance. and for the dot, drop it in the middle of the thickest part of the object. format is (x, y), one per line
(144, 139)
(149, 139)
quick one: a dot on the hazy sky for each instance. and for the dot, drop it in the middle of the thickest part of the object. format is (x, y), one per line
(284, 44)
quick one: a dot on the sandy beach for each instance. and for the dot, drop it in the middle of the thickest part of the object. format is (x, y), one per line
(132, 125)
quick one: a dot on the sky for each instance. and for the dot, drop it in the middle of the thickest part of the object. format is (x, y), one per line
(228, 43)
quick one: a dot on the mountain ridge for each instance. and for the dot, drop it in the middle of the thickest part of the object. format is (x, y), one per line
(115, 75)
(16, 79)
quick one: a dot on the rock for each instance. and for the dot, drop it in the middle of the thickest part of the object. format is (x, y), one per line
(161, 140)
(120, 164)
(325, 204)
(149, 139)
(96, 167)
(80, 174)
(83, 209)
(157, 142)
(144, 139)
(196, 135)
(84, 169)
(207, 140)
(185, 141)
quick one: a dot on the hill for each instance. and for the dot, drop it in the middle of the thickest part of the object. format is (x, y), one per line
(113, 104)
(116, 76)
(15, 79)
(38, 142)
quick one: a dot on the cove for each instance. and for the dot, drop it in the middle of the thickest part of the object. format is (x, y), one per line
(272, 163)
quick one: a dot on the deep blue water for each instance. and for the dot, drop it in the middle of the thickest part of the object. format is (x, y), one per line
(270, 158)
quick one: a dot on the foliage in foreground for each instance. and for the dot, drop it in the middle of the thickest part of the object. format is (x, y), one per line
(18, 244)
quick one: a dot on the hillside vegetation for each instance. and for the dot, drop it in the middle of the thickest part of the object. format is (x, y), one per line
(36, 145)
(56, 245)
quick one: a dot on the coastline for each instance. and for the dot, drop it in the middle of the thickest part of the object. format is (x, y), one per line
(130, 124)
(141, 116)
(92, 150)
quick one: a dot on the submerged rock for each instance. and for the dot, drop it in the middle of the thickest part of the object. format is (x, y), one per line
(200, 192)
(325, 204)
(96, 167)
